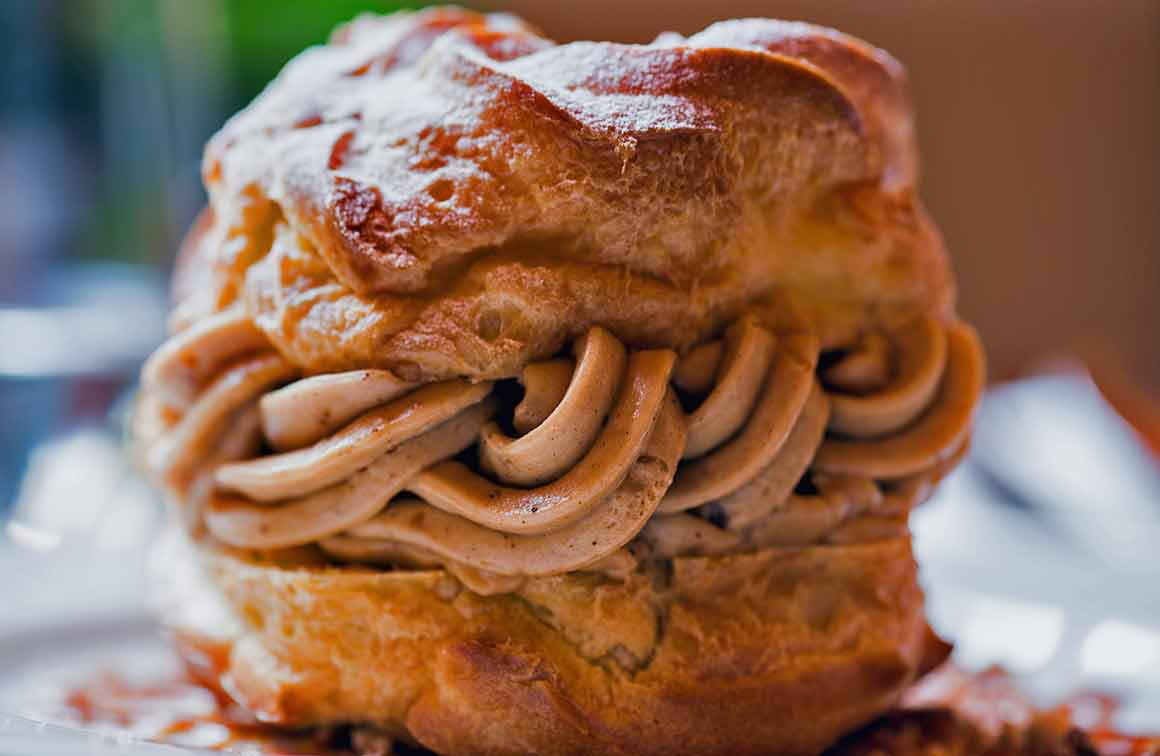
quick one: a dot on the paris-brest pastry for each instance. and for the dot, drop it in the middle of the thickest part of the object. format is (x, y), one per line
(558, 399)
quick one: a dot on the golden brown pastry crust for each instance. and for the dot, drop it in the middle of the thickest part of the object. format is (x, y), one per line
(776, 652)
(446, 193)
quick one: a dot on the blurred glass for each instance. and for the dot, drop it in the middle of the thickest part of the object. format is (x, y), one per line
(67, 357)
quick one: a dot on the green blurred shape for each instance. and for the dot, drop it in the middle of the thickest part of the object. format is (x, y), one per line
(264, 34)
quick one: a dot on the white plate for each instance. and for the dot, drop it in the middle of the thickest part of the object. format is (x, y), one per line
(37, 665)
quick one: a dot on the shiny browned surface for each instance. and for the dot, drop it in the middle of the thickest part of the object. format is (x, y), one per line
(529, 190)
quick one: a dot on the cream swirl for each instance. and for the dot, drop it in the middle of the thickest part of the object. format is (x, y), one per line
(603, 435)
(303, 519)
(917, 420)
(455, 488)
(552, 444)
(751, 444)
(353, 448)
(184, 364)
(893, 417)
(579, 545)
(182, 449)
(307, 411)
(598, 466)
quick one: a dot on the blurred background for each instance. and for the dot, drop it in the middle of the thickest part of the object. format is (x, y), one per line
(1039, 123)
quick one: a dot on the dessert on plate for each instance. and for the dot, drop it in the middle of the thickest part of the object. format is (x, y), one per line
(538, 398)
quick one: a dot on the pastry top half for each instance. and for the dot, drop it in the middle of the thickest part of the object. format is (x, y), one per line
(448, 194)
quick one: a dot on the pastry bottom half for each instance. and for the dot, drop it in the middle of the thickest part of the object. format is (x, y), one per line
(781, 651)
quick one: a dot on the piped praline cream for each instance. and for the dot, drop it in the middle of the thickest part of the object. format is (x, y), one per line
(607, 458)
